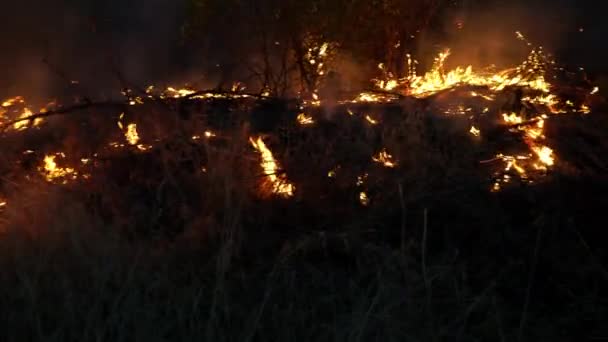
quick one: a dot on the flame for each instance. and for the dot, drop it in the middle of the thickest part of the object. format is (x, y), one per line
(12, 101)
(22, 125)
(371, 120)
(363, 198)
(530, 74)
(177, 93)
(545, 155)
(384, 158)
(304, 119)
(474, 131)
(131, 134)
(535, 132)
(278, 184)
(512, 118)
(53, 172)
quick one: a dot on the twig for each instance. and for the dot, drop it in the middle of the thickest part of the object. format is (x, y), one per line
(403, 217)
(599, 265)
(221, 92)
(65, 110)
(524, 314)
(427, 282)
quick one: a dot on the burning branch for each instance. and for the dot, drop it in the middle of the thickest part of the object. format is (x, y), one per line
(65, 110)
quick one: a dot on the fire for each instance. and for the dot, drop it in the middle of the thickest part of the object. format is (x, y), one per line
(371, 120)
(304, 119)
(278, 183)
(21, 125)
(529, 74)
(545, 155)
(53, 172)
(131, 135)
(177, 93)
(384, 158)
(12, 101)
(512, 118)
(528, 121)
(535, 132)
(475, 131)
(364, 199)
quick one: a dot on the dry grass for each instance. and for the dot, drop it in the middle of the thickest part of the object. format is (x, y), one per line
(149, 249)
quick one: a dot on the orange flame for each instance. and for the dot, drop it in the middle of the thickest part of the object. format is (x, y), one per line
(277, 183)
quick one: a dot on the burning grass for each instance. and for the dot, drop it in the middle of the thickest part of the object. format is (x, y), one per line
(290, 199)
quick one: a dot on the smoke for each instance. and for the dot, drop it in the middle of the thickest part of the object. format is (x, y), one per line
(485, 34)
(572, 30)
(47, 44)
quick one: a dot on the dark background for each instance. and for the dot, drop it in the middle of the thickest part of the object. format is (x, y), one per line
(82, 39)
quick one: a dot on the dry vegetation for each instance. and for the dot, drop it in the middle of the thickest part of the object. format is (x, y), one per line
(428, 217)
(151, 247)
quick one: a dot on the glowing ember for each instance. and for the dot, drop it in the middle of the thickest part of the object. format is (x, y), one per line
(474, 131)
(364, 199)
(371, 120)
(304, 119)
(385, 159)
(277, 183)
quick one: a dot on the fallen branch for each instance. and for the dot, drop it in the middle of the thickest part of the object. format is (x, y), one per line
(65, 110)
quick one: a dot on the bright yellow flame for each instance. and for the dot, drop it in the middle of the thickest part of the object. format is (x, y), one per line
(545, 155)
(384, 158)
(52, 172)
(535, 132)
(22, 125)
(304, 119)
(278, 184)
(177, 93)
(363, 198)
(530, 74)
(512, 118)
(476, 132)
(12, 101)
(371, 120)
(131, 134)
